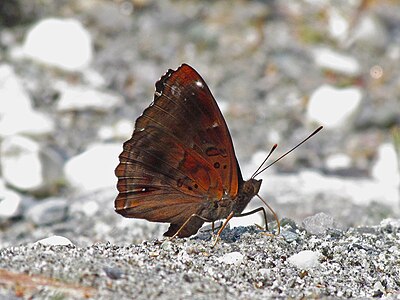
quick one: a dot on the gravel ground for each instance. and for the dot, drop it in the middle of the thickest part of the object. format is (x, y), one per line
(266, 63)
(245, 264)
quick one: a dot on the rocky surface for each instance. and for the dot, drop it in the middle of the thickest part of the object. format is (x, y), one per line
(74, 76)
(245, 264)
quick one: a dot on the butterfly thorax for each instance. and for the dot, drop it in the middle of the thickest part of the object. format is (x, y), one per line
(247, 191)
(221, 208)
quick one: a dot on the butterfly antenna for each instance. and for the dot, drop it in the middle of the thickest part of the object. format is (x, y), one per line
(283, 155)
(274, 214)
(270, 152)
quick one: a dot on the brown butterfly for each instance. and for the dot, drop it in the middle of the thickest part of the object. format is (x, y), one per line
(179, 166)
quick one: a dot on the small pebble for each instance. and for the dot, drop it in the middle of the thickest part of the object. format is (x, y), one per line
(289, 236)
(113, 272)
(306, 259)
(233, 258)
(318, 224)
(55, 240)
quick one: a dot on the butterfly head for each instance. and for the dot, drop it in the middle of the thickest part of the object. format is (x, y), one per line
(251, 187)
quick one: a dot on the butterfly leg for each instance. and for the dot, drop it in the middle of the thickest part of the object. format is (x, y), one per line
(231, 215)
(187, 221)
(214, 226)
(265, 219)
(217, 226)
(255, 211)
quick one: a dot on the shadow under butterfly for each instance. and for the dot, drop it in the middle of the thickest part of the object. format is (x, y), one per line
(179, 166)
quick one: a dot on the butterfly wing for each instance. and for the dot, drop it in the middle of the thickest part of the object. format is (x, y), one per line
(180, 155)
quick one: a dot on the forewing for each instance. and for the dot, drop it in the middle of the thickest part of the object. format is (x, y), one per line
(180, 155)
(184, 106)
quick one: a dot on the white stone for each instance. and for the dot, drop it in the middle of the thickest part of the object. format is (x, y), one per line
(10, 203)
(387, 166)
(14, 98)
(75, 98)
(16, 113)
(318, 224)
(332, 107)
(94, 168)
(328, 59)
(26, 166)
(232, 258)
(306, 259)
(48, 211)
(369, 31)
(338, 25)
(26, 122)
(20, 162)
(55, 240)
(338, 161)
(63, 43)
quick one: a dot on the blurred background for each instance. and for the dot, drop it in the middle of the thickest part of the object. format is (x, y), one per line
(75, 75)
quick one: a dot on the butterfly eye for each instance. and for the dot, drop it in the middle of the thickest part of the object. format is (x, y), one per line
(217, 165)
(196, 186)
(248, 189)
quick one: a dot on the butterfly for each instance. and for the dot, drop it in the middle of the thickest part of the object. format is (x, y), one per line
(179, 166)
